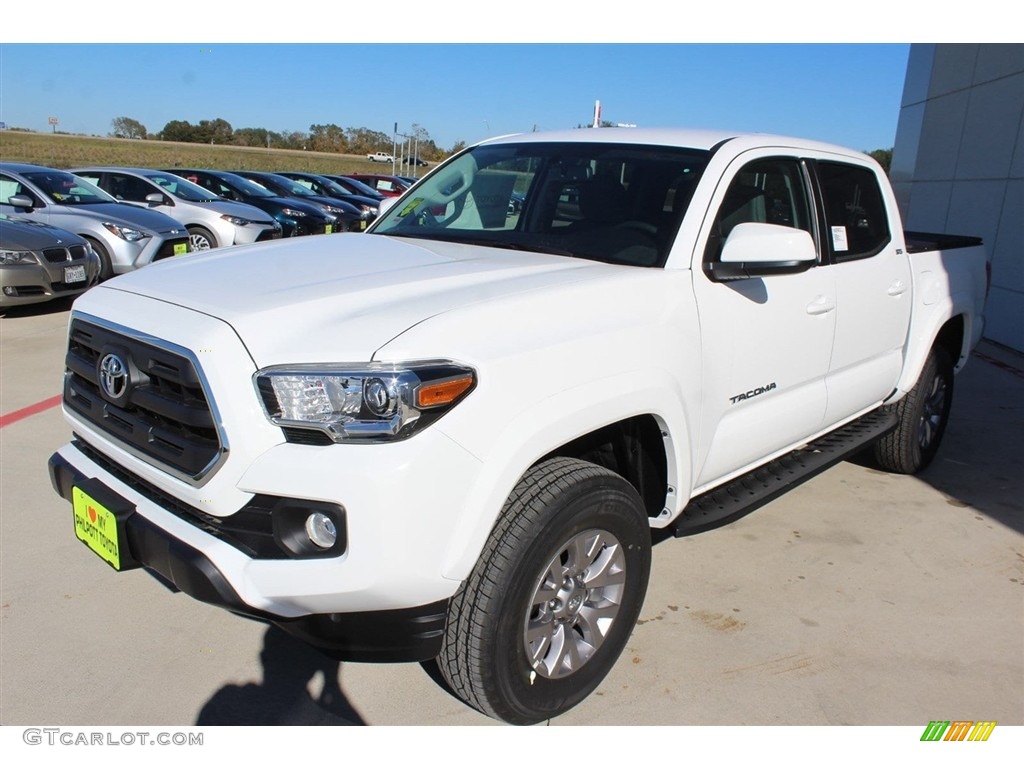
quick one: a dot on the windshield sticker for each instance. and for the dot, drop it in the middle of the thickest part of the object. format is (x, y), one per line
(410, 207)
(839, 239)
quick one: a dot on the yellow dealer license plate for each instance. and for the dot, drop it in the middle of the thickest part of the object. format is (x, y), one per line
(97, 527)
(180, 249)
(328, 229)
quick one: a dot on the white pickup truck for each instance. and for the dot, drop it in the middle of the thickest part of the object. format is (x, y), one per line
(451, 437)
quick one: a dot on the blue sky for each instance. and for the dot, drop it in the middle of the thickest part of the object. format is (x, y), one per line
(469, 69)
(847, 94)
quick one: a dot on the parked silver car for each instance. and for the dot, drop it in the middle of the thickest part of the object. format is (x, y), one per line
(39, 262)
(124, 236)
(211, 221)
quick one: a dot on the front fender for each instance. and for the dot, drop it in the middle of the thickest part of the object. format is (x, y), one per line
(543, 427)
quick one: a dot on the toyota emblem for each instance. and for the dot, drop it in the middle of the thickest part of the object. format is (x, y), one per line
(113, 376)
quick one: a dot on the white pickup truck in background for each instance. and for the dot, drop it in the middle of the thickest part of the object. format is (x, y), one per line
(452, 436)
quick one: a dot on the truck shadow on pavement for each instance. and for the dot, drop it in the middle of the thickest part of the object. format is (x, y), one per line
(283, 696)
(978, 467)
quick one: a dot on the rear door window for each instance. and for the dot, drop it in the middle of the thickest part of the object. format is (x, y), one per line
(855, 213)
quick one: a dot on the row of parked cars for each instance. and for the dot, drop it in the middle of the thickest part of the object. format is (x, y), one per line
(63, 231)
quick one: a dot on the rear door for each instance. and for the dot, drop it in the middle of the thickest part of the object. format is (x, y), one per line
(873, 287)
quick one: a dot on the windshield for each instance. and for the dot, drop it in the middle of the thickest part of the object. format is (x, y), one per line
(357, 187)
(66, 189)
(249, 187)
(287, 186)
(181, 188)
(617, 203)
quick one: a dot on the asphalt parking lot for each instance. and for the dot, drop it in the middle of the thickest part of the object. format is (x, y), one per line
(861, 598)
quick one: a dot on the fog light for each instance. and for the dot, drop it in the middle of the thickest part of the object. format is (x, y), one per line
(10, 290)
(321, 531)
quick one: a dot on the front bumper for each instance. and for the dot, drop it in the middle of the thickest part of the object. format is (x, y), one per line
(407, 634)
(34, 283)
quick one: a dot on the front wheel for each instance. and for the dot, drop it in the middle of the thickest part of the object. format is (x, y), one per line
(106, 266)
(201, 239)
(923, 414)
(551, 603)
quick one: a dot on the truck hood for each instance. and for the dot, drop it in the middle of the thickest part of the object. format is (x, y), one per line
(339, 298)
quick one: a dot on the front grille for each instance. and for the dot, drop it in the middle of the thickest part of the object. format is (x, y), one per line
(61, 255)
(163, 415)
(167, 249)
(268, 234)
(56, 255)
(60, 287)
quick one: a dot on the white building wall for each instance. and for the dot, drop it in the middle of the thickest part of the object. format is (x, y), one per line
(958, 161)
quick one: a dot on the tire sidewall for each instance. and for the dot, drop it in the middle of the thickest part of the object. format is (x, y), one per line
(206, 235)
(937, 367)
(106, 265)
(596, 506)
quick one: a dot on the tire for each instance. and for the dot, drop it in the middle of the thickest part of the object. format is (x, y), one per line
(106, 266)
(923, 414)
(200, 239)
(552, 600)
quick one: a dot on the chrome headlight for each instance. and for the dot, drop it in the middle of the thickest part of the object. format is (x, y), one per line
(372, 402)
(126, 233)
(293, 213)
(17, 257)
(238, 221)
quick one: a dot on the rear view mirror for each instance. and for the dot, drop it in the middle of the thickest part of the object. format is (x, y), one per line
(761, 250)
(20, 201)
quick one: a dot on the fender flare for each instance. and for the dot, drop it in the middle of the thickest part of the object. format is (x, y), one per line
(566, 416)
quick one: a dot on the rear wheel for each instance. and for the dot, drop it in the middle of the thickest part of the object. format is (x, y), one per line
(201, 239)
(551, 603)
(923, 414)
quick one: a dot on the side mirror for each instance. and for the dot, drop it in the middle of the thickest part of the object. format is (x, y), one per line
(20, 201)
(157, 198)
(386, 203)
(762, 250)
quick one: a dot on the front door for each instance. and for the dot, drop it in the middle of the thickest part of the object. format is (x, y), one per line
(766, 341)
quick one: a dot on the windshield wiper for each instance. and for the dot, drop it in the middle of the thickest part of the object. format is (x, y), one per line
(486, 242)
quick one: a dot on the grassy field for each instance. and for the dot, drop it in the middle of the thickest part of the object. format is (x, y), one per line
(62, 151)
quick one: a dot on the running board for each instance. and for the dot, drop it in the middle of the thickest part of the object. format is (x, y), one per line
(759, 486)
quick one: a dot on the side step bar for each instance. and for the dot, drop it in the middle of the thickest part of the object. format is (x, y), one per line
(759, 486)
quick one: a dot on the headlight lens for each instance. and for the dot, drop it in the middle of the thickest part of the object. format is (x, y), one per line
(238, 221)
(17, 257)
(126, 233)
(375, 402)
(293, 213)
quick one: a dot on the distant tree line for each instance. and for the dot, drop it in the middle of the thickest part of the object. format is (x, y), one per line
(319, 138)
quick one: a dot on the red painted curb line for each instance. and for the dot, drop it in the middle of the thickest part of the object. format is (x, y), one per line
(31, 410)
